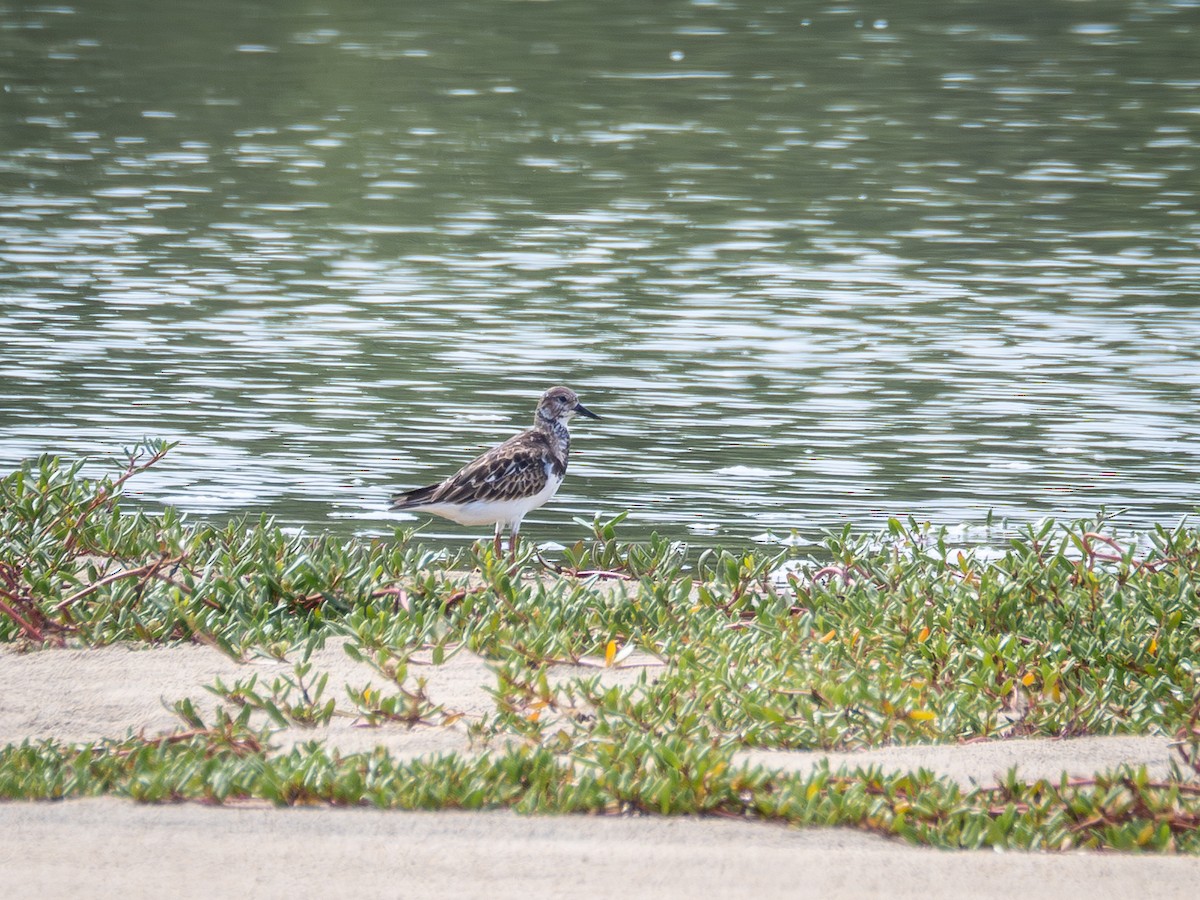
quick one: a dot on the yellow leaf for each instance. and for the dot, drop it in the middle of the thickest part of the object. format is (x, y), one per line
(451, 719)
(534, 716)
(828, 636)
(922, 715)
(610, 652)
(924, 635)
(1028, 679)
(812, 791)
(1153, 648)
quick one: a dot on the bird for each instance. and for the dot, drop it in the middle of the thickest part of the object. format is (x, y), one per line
(507, 482)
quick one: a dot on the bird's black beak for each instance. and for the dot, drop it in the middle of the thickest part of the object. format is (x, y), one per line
(584, 411)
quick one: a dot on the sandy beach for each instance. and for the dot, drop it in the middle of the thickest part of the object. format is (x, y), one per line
(115, 848)
(198, 851)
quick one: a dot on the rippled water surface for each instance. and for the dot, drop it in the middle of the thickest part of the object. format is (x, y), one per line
(812, 266)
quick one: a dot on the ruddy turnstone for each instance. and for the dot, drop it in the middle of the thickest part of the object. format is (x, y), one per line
(506, 483)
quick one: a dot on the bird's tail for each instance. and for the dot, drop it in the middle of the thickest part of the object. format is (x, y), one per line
(416, 497)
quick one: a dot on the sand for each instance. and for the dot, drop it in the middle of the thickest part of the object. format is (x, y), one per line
(107, 847)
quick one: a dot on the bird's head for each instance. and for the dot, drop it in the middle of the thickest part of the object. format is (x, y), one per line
(561, 404)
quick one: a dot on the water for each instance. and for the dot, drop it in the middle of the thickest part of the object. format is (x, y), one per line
(811, 265)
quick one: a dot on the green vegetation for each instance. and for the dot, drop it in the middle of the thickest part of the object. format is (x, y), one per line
(886, 639)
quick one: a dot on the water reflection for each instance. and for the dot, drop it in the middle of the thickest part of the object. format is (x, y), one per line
(811, 266)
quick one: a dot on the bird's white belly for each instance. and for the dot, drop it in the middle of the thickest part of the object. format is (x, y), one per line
(491, 512)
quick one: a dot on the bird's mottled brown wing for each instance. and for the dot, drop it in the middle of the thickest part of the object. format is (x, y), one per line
(516, 468)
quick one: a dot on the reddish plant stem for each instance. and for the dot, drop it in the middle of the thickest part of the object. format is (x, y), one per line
(31, 630)
(148, 570)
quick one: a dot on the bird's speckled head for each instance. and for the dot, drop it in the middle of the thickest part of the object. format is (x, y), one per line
(560, 404)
